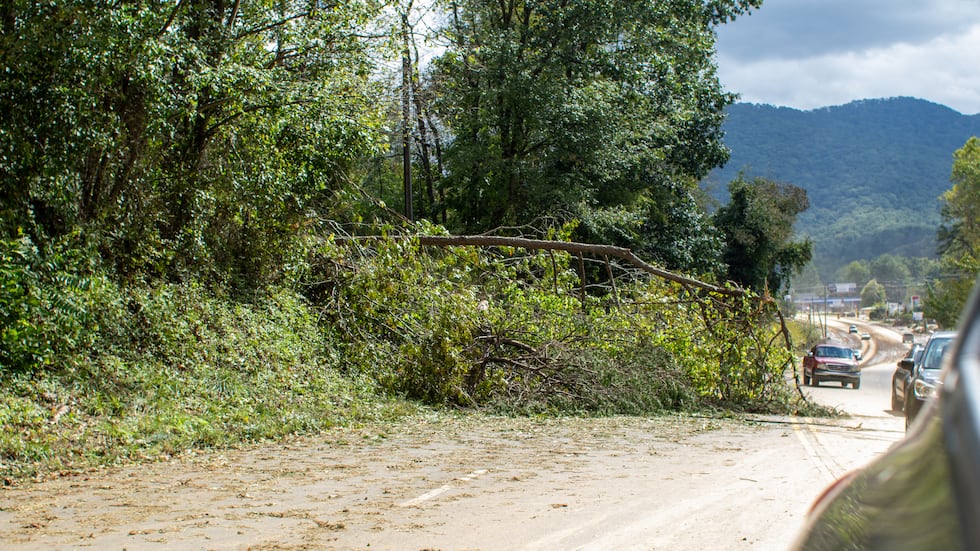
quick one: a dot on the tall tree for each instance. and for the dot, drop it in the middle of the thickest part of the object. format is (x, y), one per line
(893, 274)
(758, 227)
(873, 294)
(568, 108)
(856, 271)
(959, 237)
(184, 137)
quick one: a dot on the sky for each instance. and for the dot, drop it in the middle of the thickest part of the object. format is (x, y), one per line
(807, 54)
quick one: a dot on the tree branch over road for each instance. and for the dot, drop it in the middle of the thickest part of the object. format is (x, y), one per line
(597, 250)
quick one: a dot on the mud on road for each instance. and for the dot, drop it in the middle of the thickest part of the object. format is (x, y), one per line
(448, 483)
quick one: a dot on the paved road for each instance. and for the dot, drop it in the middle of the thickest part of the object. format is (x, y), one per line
(872, 427)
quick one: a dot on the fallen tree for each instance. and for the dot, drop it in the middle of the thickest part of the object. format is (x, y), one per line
(730, 345)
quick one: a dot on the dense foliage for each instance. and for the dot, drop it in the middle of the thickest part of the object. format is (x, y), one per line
(758, 226)
(138, 371)
(608, 112)
(181, 138)
(512, 327)
(959, 236)
(95, 372)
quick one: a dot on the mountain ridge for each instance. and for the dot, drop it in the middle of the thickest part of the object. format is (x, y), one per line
(874, 170)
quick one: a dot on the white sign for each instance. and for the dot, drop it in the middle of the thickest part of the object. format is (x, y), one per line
(845, 287)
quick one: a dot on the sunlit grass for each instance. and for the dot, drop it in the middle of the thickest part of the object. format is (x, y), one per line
(240, 375)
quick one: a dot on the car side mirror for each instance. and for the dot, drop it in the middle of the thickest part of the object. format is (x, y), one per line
(906, 364)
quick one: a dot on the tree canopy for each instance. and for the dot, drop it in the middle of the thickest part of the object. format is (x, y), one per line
(605, 111)
(873, 294)
(959, 237)
(187, 137)
(758, 228)
(855, 272)
(892, 273)
(209, 137)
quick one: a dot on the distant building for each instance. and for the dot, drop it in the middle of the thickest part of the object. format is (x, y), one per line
(835, 298)
(836, 304)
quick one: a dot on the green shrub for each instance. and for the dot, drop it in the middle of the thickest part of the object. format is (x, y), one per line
(509, 329)
(175, 367)
(46, 304)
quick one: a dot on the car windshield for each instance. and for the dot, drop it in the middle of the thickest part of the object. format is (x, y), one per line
(834, 352)
(933, 358)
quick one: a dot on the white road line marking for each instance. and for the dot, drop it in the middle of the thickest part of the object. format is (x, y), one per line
(811, 451)
(442, 489)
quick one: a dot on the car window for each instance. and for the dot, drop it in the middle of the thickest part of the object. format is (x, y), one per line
(833, 352)
(934, 353)
(914, 352)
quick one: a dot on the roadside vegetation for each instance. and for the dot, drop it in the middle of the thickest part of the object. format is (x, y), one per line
(216, 223)
(97, 372)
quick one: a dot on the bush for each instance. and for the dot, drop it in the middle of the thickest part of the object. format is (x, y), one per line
(505, 328)
(176, 367)
(45, 304)
(646, 382)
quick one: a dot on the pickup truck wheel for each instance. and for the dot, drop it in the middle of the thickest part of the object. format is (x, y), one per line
(815, 381)
(856, 385)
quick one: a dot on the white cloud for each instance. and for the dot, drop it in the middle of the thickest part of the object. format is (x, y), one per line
(943, 69)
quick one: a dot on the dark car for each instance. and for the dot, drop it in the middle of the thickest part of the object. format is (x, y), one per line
(924, 492)
(831, 362)
(926, 374)
(903, 376)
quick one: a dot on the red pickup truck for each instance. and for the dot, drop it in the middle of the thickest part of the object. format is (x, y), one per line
(831, 362)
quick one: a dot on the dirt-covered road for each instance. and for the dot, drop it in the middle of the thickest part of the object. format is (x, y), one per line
(677, 483)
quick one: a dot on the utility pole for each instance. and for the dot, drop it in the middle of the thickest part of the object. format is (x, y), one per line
(407, 115)
(826, 311)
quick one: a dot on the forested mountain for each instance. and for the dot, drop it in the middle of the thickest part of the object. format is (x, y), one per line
(873, 170)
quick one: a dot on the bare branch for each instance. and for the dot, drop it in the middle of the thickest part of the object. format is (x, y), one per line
(598, 250)
(170, 19)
